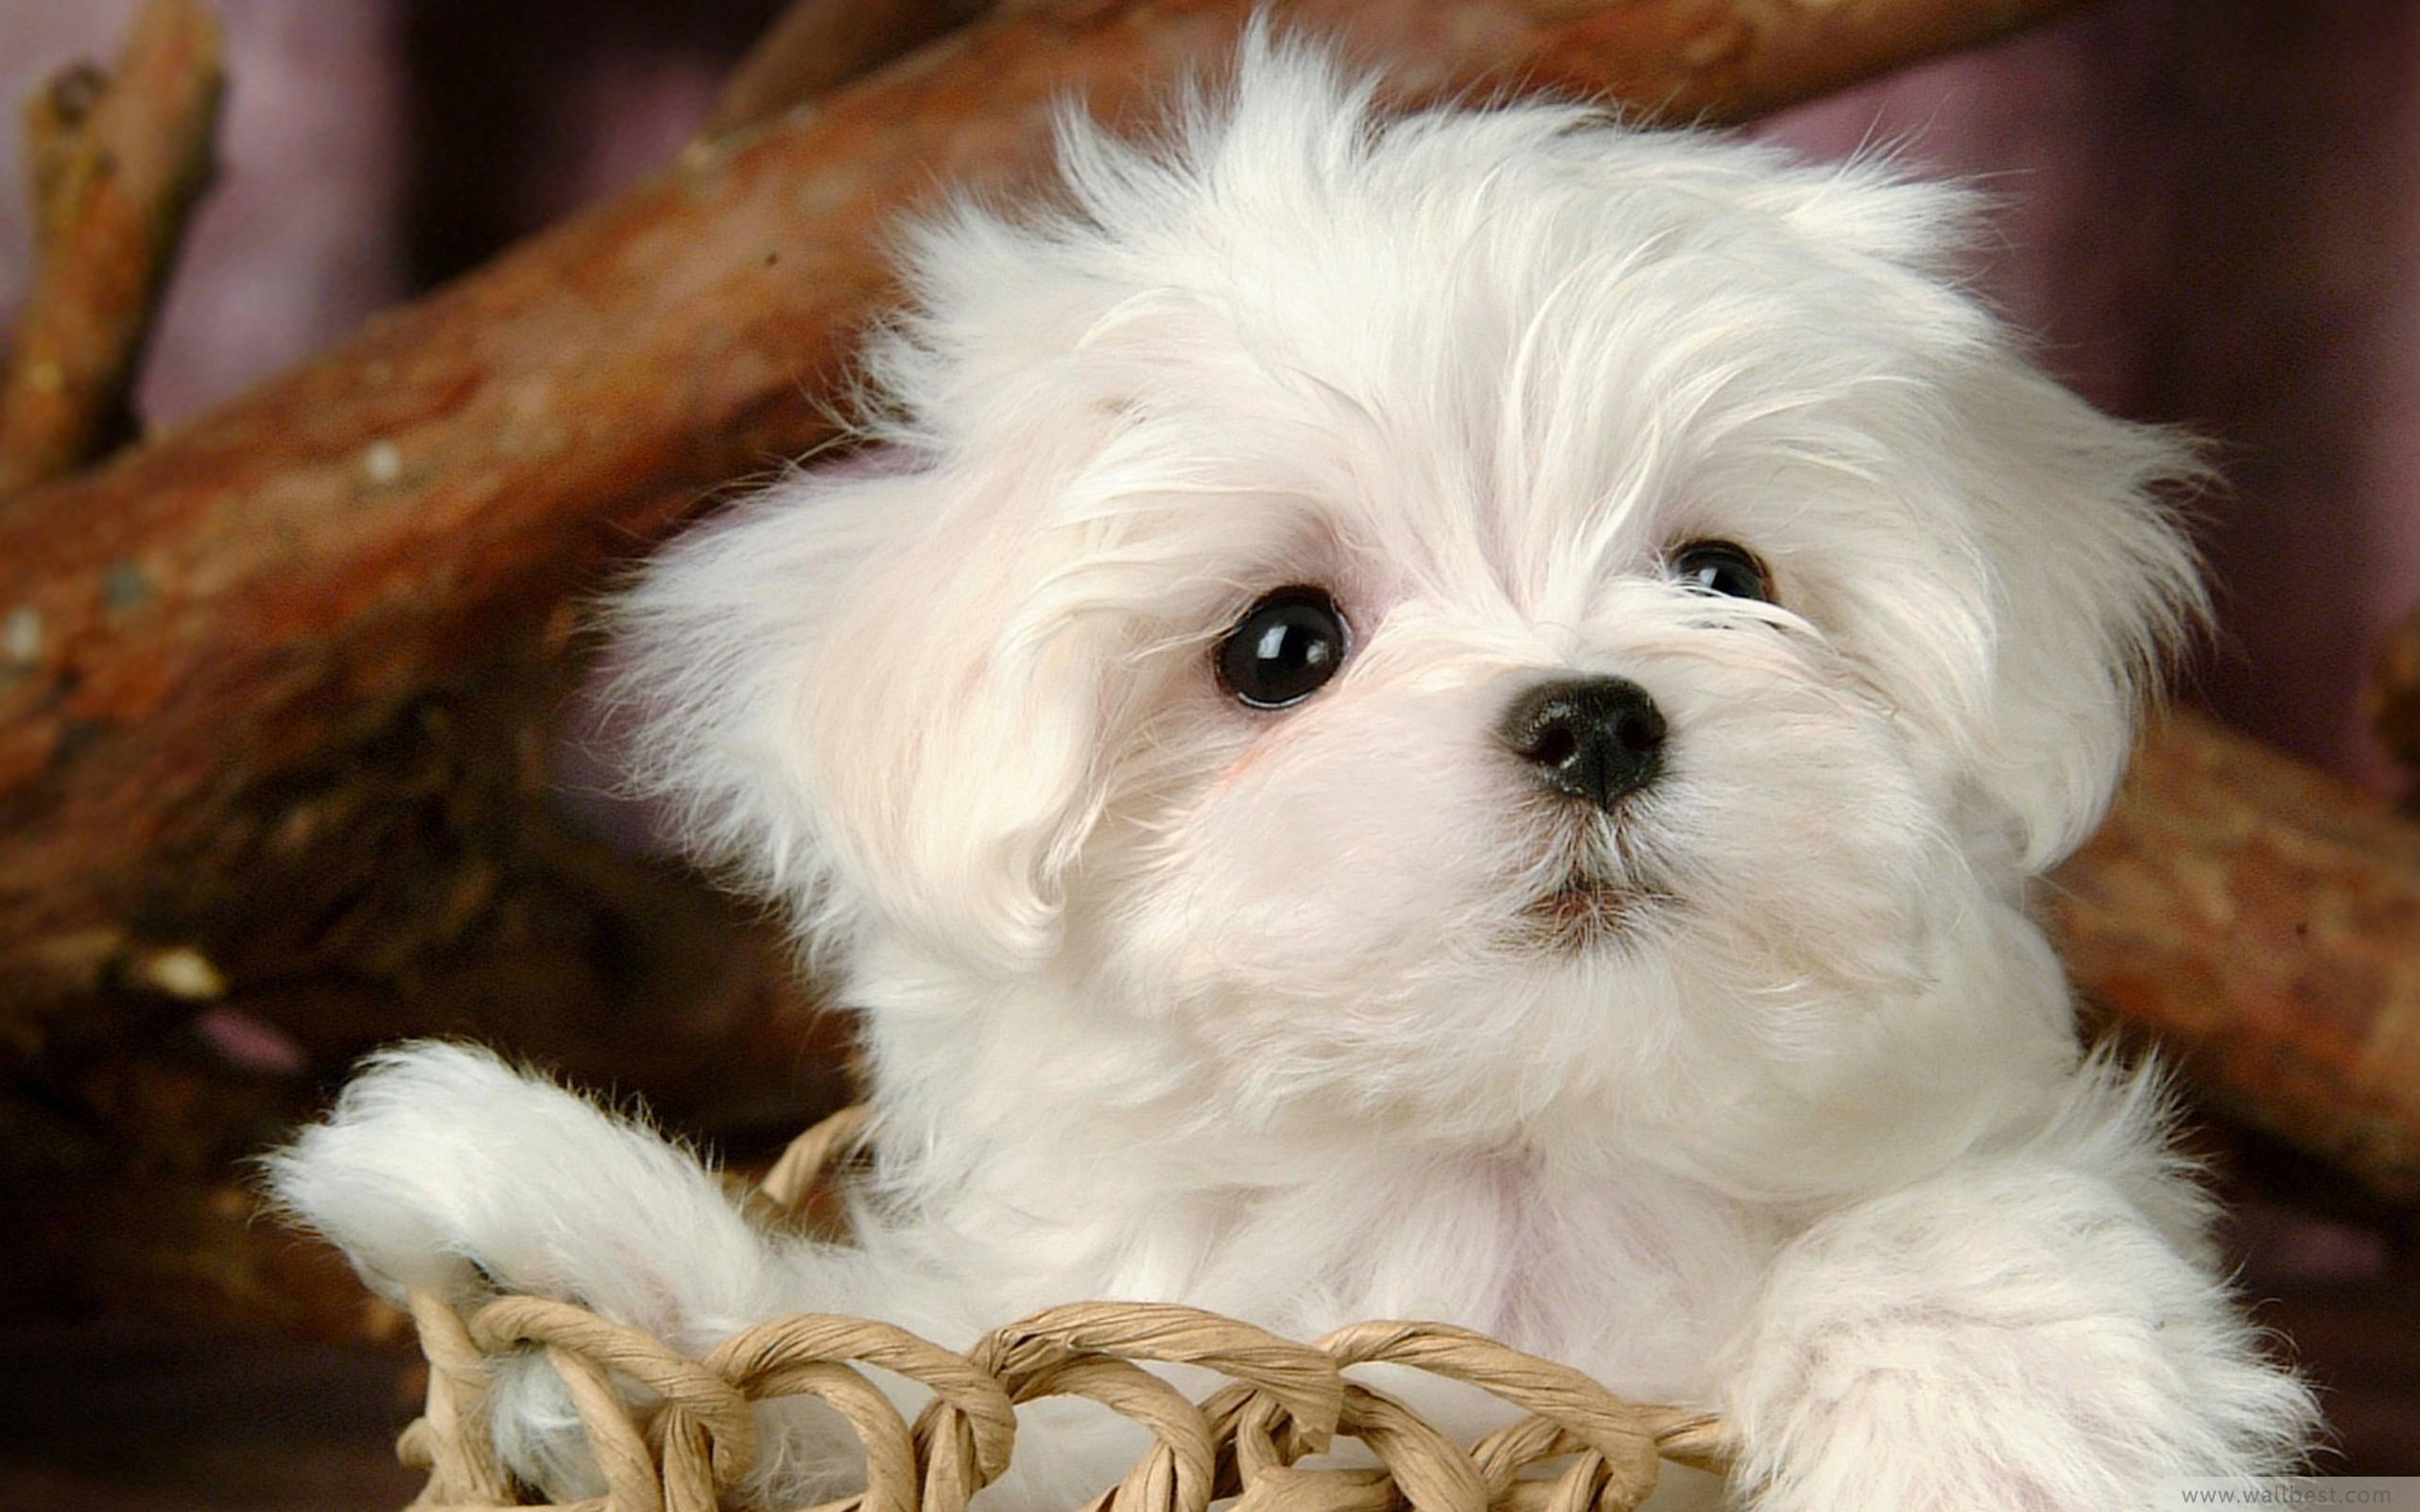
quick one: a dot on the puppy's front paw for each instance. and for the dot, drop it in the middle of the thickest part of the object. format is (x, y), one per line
(442, 1168)
(2020, 1340)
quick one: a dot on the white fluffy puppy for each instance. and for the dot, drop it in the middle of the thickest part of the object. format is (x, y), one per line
(1440, 718)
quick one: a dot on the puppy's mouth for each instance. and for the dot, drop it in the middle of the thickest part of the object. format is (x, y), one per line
(1586, 910)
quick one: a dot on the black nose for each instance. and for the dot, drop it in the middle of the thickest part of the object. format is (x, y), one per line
(1596, 738)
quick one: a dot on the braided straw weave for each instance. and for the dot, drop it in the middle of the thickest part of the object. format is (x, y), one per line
(1579, 1448)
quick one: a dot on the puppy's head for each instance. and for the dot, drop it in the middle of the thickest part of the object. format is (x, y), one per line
(1478, 609)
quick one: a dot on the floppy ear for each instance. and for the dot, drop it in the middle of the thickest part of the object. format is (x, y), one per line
(2094, 586)
(2088, 582)
(871, 692)
(841, 690)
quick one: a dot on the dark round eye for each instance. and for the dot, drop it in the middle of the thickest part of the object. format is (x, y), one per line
(1284, 649)
(1721, 567)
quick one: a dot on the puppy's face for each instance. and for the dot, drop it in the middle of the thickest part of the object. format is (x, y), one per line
(1497, 616)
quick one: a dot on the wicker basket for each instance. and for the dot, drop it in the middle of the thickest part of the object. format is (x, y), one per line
(1578, 1448)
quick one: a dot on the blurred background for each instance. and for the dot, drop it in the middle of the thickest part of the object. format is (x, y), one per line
(2210, 214)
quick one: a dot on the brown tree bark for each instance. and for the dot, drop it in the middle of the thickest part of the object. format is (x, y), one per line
(2391, 699)
(817, 45)
(116, 161)
(2263, 920)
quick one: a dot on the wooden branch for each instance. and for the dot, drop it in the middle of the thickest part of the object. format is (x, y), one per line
(116, 163)
(2391, 698)
(817, 45)
(2263, 920)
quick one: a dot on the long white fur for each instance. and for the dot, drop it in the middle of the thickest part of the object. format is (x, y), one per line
(1166, 998)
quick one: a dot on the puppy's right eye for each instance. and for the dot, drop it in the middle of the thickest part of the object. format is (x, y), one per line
(1284, 649)
(1725, 568)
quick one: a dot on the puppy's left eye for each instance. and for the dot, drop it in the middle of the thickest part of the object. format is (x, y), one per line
(1722, 567)
(1284, 649)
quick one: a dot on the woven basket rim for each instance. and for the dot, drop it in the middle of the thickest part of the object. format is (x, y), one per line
(691, 1448)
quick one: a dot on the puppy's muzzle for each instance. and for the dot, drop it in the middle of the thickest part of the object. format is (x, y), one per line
(1592, 738)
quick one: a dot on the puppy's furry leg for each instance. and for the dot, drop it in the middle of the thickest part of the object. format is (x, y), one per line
(443, 1168)
(2020, 1333)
